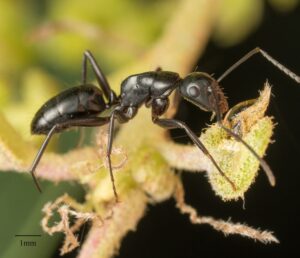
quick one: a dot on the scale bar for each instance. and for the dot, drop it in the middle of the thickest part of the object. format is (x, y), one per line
(28, 235)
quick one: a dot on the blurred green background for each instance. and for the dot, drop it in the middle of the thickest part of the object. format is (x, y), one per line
(41, 47)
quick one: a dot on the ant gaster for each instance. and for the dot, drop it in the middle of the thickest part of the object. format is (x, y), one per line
(83, 106)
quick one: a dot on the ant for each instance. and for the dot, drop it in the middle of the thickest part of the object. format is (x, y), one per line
(84, 105)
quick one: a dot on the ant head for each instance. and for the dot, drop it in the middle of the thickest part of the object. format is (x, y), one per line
(204, 91)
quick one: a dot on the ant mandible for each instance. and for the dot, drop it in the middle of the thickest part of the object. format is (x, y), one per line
(83, 105)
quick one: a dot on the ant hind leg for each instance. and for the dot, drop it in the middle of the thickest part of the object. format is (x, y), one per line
(101, 78)
(39, 156)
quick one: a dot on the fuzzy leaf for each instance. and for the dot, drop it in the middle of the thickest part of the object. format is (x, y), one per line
(240, 166)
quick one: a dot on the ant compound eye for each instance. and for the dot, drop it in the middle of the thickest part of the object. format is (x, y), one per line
(197, 88)
(193, 91)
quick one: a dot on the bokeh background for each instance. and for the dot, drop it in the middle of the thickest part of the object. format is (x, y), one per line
(41, 50)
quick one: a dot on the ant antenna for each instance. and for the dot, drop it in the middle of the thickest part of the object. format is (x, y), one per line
(254, 51)
(282, 68)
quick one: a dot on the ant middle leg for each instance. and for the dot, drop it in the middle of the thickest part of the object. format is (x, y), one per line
(108, 152)
(101, 78)
(172, 124)
(254, 51)
(122, 117)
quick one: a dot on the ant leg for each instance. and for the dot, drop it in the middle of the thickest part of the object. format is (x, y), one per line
(98, 121)
(122, 117)
(254, 51)
(86, 122)
(262, 162)
(92, 121)
(108, 151)
(81, 137)
(39, 155)
(102, 81)
(172, 124)
(172, 109)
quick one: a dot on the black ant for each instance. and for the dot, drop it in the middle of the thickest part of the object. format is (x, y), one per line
(85, 104)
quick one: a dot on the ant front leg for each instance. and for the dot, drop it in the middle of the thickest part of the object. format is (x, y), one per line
(262, 162)
(172, 124)
(101, 78)
(254, 51)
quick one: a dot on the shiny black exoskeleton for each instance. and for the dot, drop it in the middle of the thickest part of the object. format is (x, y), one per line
(68, 109)
(84, 105)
